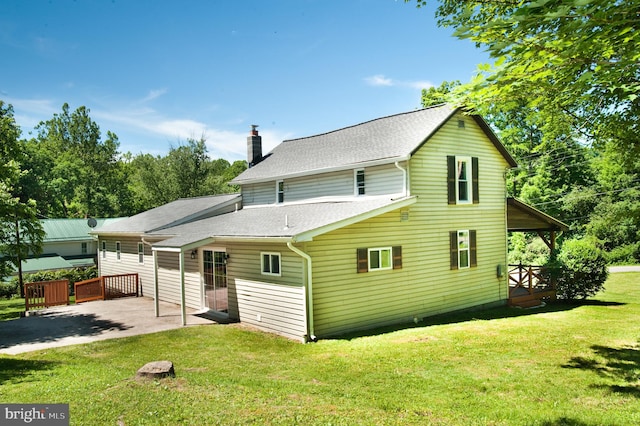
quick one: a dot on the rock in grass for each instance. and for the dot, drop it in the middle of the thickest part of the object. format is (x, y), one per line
(156, 370)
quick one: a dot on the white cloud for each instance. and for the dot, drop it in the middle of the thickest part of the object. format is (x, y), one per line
(153, 94)
(144, 129)
(381, 80)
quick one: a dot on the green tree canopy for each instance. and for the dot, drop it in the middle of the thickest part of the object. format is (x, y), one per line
(21, 232)
(581, 57)
(83, 168)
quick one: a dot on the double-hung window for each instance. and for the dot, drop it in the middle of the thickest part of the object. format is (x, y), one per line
(280, 191)
(463, 249)
(104, 249)
(462, 180)
(118, 250)
(359, 182)
(270, 264)
(140, 253)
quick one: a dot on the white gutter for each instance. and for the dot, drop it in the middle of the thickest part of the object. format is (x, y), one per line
(309, 291)
(405, 177)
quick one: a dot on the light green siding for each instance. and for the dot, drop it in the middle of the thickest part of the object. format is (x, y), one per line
(346, 300)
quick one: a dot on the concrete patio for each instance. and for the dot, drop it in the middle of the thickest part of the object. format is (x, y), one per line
(89, 322)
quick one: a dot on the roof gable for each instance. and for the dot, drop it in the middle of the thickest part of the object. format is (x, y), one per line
(385, 139)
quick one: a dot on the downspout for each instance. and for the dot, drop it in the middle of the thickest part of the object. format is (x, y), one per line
(156, 303)
(405, 186)
(309, 290)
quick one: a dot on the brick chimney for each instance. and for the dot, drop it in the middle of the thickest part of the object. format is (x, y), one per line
(254, 146)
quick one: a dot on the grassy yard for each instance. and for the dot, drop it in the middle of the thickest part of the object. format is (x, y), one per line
(11, 308)
(560, 365)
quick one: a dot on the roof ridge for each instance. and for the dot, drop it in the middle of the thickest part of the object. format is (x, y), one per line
(367, 122)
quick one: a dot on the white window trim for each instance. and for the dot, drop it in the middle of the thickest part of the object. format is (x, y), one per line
(270, 254)
(118, 251)
(279, 192)
(467, 249)
(380, 250)
(356, 188)
(141, 261)
(469, 181)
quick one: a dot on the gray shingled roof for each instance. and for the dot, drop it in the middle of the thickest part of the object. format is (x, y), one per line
(393, 137)
(270, 221)
(171, 214)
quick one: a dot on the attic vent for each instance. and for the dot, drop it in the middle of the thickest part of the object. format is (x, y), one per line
(460, 124)
(404, 215)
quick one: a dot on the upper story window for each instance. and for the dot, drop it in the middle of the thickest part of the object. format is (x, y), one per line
(118, 250)
(462, 180)
(280, 191)
(270, 263)
(359, 182)
(140, 253)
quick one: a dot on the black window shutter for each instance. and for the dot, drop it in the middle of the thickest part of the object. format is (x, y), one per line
(363, 262)
(451, 179)
(397, 257)
(453, 248)
(473, 252)
(474, 182)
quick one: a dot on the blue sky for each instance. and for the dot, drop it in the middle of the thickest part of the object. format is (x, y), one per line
(158, 72)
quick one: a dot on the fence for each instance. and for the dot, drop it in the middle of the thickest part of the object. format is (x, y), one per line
(44, 294)
(107, 287)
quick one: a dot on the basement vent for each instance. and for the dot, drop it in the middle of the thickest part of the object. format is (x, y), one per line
(404, 215)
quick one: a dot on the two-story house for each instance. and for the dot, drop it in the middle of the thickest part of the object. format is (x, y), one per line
(383, 222)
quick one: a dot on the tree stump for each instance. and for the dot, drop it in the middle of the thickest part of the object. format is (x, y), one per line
(156, 370)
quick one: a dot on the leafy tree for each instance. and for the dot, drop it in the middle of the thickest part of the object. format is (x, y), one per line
(21, 232)
(576, 56)
(85, 167)
(186, 171)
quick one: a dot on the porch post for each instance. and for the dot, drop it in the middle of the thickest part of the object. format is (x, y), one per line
(156, 304)
(183, 308)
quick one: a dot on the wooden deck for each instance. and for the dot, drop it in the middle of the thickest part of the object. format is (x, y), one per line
(529, 286)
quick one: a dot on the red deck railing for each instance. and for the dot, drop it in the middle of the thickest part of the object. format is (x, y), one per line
(107, 287)
(43, 294)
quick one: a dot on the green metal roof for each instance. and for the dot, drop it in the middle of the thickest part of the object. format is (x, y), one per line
(70, 229)
(45, 264)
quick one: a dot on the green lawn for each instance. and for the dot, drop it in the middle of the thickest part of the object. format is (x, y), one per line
(560, 365)
(11, 308)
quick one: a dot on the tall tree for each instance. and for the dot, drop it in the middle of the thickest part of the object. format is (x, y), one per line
(186, 171)
(85, 166)
(581, 57)
(21, 233)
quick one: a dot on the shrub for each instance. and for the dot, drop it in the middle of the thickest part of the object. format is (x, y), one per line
(580, 268)
(73, 275)
(8, 289)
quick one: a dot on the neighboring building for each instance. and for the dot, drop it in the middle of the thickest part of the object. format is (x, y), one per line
(384, 222)
(67, 244)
